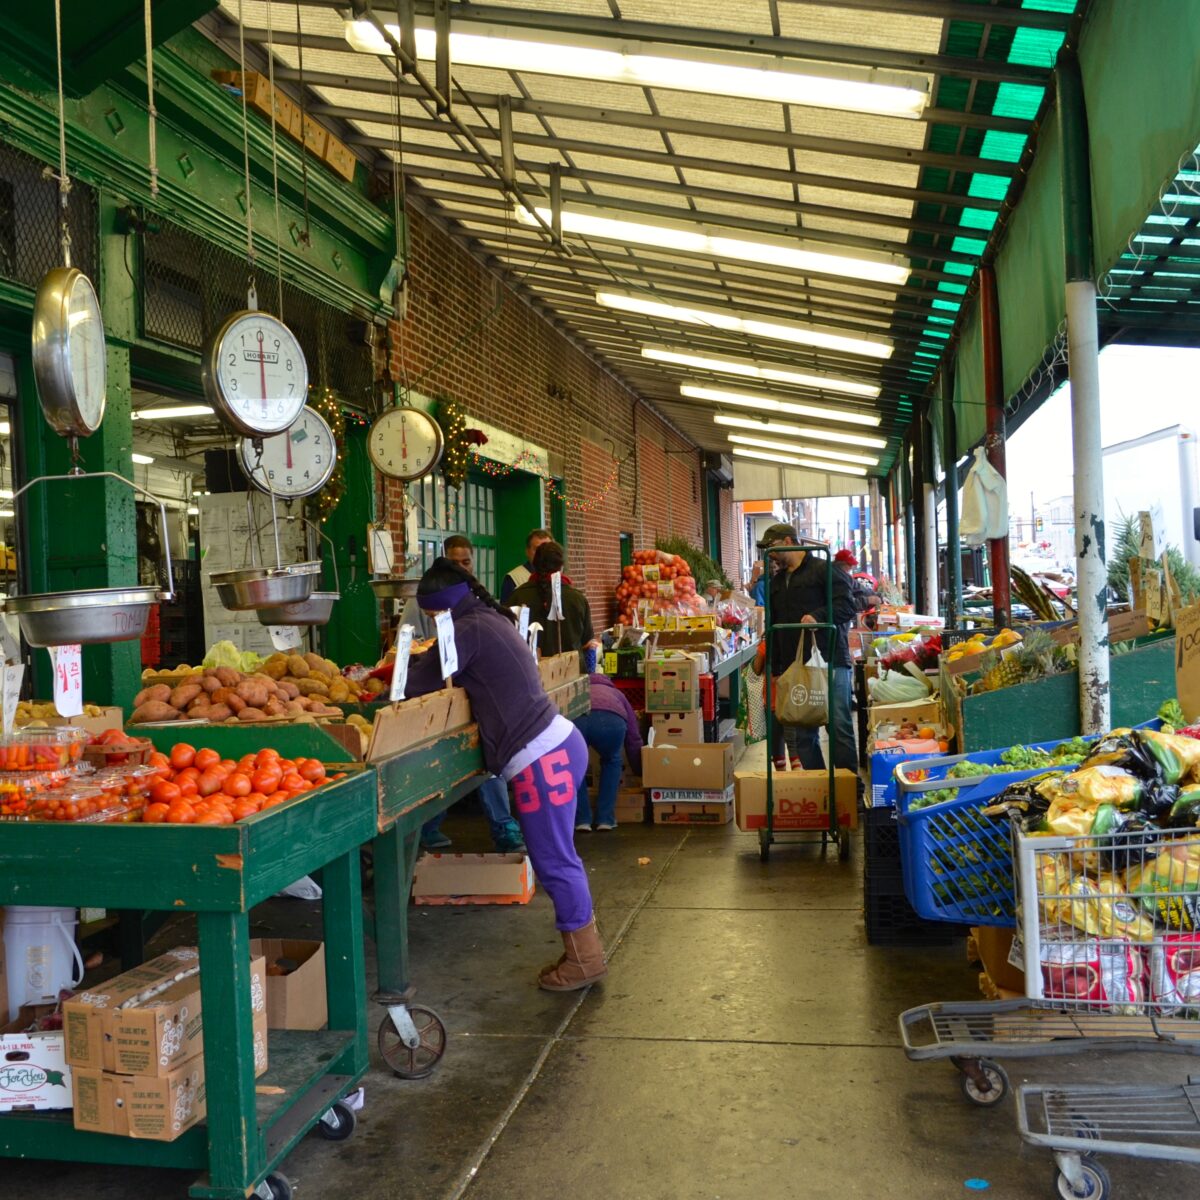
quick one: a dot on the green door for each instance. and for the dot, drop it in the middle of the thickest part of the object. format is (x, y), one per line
(470, 509)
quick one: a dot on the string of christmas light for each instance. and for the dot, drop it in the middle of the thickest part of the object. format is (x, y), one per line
(456, 453)
(325, 402)
(527, 457)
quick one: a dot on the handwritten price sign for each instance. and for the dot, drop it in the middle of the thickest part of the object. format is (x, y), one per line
(68, 679)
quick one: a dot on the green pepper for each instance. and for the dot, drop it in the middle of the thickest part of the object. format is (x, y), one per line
(1106, 820)
(1173, 767)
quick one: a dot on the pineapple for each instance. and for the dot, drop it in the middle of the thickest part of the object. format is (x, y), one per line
(1037, 656)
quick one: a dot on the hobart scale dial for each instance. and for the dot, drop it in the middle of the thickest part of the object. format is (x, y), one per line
(295, 463)
(254, 374)
(405, 443)
(69, 361)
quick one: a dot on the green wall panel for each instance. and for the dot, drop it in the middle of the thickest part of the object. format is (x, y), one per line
(968, 383)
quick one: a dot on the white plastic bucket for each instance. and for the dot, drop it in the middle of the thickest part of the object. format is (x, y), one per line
(40, 955)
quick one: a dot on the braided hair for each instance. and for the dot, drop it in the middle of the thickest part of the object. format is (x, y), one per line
(547, 558)
(444, 573)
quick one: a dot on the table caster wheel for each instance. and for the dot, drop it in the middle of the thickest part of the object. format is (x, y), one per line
(986, 1085)
(275, 1187)
(413, 1062)
(844, 845)
(764, 847)
(338, 1123)
(1096, 1184)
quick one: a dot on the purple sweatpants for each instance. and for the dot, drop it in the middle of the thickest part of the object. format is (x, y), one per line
(544, 795)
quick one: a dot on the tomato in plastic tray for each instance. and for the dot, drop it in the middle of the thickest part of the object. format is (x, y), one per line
(18, 789)
(41, 749)
(1109, 974)
(127, 785)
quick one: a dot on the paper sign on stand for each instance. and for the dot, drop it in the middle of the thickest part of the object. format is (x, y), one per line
(556, 608)
(535, 632)
(1152, 533)
(447, 650)
(67, 662)
(381, 551)
(285, 637)
(521, 612)
(10, 683)
(1187, 660)
(404, 640)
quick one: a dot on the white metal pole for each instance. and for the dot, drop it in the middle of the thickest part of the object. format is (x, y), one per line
(929, 566)
(1091, 559)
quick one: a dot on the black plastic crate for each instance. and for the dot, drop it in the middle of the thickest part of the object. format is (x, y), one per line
(891, 921)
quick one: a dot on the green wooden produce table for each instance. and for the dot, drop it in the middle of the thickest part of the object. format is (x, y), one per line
(219, 873)
(731, 667)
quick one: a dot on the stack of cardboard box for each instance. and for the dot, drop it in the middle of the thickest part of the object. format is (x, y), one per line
(135, 1047)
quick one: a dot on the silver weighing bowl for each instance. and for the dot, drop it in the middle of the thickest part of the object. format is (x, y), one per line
(86, 618)
(316, 610)
(395, 589)
(250, 588)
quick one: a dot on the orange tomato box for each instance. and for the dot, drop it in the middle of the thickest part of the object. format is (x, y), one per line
(148, 1020)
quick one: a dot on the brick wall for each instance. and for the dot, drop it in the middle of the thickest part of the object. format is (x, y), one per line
(731, 535)
(469, 337)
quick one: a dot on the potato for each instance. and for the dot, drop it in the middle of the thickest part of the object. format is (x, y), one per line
(298, 666)
(159, 692)
(290, 688)
(294, 707)
(252, 714)
(154, 710)
(219, 712)
(228, 676)
(276, 668)
(313, 687)
(253, 691)
(374, 687)
(184, 694)
(339, 691)
(315, 661)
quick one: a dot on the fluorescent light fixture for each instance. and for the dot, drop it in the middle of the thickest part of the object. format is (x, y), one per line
(169, 414)
(7, 512)
(690, 237)
(193, 511)
(793, 408)
(741, 439)
(788, 430)
(144, 459)
(752, 370)
(660, 64)
(5, 429)
(792, 461)
(735, 322)
(6, 494)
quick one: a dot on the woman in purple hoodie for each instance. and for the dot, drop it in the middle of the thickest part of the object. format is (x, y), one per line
(610, 726)
(527, 742)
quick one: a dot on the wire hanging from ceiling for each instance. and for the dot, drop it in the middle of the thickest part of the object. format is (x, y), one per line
(275, 151)
(249, 207)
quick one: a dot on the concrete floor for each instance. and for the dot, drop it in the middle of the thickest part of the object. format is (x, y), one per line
(743, 1046)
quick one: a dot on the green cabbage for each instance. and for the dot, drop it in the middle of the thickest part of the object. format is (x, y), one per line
(226, 654)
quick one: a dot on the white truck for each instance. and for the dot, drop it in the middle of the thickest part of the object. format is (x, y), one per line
(1156, 473)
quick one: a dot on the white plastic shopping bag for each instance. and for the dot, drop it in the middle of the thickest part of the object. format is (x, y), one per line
(984, 503)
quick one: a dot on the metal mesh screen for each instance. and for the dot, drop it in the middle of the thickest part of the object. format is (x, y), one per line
(190, 286)
(30, 222)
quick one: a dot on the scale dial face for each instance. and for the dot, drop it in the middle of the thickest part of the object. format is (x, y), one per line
(405, 443)
(255, 375)
(69, 359)
(297, 462)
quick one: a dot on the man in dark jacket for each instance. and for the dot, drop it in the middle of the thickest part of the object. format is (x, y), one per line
(799, 593)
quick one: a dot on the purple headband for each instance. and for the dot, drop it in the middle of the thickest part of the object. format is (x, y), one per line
(448, 597)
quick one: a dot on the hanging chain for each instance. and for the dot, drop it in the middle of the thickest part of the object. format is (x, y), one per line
(275, 151)
(64, 182)
(253, 293)
(152, 112)
(399, 213)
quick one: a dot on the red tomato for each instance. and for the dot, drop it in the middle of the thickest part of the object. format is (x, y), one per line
(293, 782)
(278, 798)
(206, 758)
(187, 786)
(210, 782)
(266, 779)
(311, 769)
(244, 808)
(247, 763)
(181, 813)
(165, 793)
(238, 784)
(182, 755)
(209, 818)
(258, 799)
(155, 814)
(267, 755)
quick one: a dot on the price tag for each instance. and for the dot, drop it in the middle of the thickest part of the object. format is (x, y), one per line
(11, 683)
(556, 609)
(67, 662)
(535, 631)
(652, 574)
(286, 637)
(522, 614)
(404, 640)
(666, 588)
(447, 650)
(8, 643)
(381, 551)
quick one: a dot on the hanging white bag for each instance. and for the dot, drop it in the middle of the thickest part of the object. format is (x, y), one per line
(984, 503)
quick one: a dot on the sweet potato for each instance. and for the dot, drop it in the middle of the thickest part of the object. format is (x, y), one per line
(210, 683)
(219, 712)
(159, 692)
(228, 676)
(201, 704)
(293, 707)
(273, 708)
(252, 714)
(184, 694)
(154, 710)
(235, 702)
(253, 691)
(290, 688)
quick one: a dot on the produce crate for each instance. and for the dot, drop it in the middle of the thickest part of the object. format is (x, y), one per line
(881, 845)
(1049, 708)
(708, 697)
(891, 920)
(635, 692)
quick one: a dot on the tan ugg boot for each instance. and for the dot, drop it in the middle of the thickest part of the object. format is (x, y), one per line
(582, 961)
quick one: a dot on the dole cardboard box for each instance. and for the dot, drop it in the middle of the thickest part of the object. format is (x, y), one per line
(705, 767)
(34, 1074)
(155, 1108)
(678, 727)
(146, 1021)
(672, 684)
(801, 799)
(296, 997)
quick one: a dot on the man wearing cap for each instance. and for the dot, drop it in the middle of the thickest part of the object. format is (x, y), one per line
(799, 589)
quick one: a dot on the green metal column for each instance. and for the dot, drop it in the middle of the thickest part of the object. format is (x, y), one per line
(950, 466)
(910, 538)
(84, 534)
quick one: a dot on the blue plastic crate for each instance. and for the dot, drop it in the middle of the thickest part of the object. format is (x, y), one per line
(956, 862)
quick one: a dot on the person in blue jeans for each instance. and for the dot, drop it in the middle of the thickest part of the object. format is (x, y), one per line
(608, 729)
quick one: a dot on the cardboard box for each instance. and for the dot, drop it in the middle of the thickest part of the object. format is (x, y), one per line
(473, 879)
(631, 805)
(458, 712)
(558, 669)
(801, 799)
(706, 767)
(34, 1074)
(110, 1029)
(672, 684)
(918, 712)
(399, 726)
(296, 997)
(315, 136)
(154, 1108)
(4, 1014)
(994, 946)
(674, 806)
(686, 727)
(567, 695)
(340, 158)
